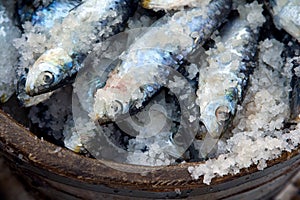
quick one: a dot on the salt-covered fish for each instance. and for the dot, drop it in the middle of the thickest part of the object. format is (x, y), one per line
(88, 23)
(223, 81)
(8, 32)
(40, 17)
(286, 15)
(148, 63)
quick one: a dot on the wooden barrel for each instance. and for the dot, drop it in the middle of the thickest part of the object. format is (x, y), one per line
(58, 173)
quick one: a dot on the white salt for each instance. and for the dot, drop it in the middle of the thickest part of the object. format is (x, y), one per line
(51, 115)
(9, 55)
(286, 15)
(253, 14)
(257, 136)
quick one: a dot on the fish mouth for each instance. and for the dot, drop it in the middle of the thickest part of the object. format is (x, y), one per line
(215, 130)
(31, 90)
(34, 92)
(38, 90)
(28, 89)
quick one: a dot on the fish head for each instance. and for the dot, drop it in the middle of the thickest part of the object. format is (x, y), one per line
(48, 72)
(217, 114)
(109, 105)
(215, 118)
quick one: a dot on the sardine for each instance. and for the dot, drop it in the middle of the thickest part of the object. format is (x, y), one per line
(147, 63)
(90, 22)
(151, 63)
(9, 56)
(286, 15)
(42, 17)
(223, 82)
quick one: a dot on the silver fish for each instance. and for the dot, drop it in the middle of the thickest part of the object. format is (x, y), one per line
(9, 56)
(286, 15)
(42, 18)
(223, 82)
(144, 66)
(89, 23)
(151, 63)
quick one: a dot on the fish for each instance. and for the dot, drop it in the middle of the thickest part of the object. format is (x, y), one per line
(90, 22)
(286, 15)
(9, 56)
(151, 63)
(223, 82)
(169, 4)
(151, 60)
(42, 16)
(175, 37)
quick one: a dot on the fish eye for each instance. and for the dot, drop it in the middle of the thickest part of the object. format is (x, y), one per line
(117, 106)
(48, 78)
(222, 113)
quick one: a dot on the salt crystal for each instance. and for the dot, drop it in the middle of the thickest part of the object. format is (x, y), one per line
(265, 108)
(253, 13)
(9, 57)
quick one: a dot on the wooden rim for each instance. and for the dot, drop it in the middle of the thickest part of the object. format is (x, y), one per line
(20, 145)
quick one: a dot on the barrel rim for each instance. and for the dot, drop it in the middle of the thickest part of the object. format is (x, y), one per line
(24, 147)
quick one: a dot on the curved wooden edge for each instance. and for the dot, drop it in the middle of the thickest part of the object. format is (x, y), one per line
(20, 144)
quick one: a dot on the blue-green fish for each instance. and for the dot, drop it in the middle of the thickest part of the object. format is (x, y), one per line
(222, 83)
